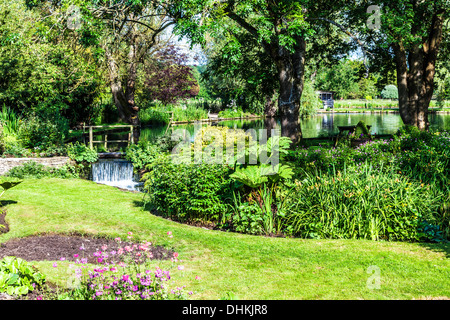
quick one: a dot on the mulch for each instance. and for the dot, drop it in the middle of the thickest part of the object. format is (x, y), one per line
(53, 247)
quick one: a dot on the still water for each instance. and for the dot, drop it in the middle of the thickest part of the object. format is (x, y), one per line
(320, 125)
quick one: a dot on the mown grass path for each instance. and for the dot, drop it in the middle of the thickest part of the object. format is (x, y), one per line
(251, 267)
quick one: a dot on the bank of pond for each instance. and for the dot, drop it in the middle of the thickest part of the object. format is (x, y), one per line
(394, 189)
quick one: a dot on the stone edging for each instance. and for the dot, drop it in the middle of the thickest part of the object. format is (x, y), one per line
(7, 164)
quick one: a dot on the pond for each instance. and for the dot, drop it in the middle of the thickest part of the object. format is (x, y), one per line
(320, 125)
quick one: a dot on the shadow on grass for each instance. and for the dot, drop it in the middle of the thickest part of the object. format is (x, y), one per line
(146, 206)
(6, 202)
(437, 247)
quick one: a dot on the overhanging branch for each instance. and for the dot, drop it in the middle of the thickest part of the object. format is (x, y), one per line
(355, 38)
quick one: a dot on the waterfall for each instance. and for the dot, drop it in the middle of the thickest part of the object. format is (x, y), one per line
(114, 172)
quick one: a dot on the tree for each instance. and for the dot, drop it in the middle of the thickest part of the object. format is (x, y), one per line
(341, 78)
(246, 76)
(168, 78)
(389, 92)
(130, 33)
(411, 34)
(43, 68)
(281, 28)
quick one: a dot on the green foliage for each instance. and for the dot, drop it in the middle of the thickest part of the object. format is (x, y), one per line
(341, 78)
(10, 121)
(389, 92)
(42, 65)
(18, 277)
(233, 113)
(2, 142)
(425, 156)
(43, 131)
(80, 153)
(361, 130)
(142, 154)
(310, 102)
(160, 114)
(32, 169)
(264, 180)
(187, 192)
(362, 204)
(246, 216)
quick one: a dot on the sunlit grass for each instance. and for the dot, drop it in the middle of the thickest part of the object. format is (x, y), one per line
(251, 267)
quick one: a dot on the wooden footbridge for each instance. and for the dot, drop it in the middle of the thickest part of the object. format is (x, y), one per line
(89, 133)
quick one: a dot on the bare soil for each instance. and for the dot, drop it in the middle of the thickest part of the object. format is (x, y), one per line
(53, 247)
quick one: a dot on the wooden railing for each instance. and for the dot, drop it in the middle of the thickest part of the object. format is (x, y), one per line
(130, 139)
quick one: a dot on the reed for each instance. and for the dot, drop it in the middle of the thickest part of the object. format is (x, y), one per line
(10, 121)
(361, 203)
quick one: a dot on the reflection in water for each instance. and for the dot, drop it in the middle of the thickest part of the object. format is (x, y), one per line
(320, 125)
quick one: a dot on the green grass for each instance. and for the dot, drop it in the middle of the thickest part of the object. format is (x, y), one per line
(251, 267)
(354, 105)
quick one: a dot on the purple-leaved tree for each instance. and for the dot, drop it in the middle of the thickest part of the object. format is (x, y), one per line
(168, 78)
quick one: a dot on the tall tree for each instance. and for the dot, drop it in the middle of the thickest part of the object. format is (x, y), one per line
(132, 31)
(282, 28)
(43, 67)
(411, 34)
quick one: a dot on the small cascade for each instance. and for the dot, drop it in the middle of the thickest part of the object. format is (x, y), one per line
(115, 172)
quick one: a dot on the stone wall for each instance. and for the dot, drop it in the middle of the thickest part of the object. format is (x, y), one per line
(7, 164)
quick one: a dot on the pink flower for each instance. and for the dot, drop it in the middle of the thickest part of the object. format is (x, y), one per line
(197, 278)
(104, 247)
(117, 239)
(39, 298)
(75, 255)
(180, 267)
(130, 233)
(62, 259)
(55, 265)
(175, 254)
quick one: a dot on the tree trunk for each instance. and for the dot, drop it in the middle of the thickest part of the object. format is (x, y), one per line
(124, 98)
(290, 66)
(270, 112)
(416, 83)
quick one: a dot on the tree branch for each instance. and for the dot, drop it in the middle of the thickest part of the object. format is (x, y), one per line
(343, 29)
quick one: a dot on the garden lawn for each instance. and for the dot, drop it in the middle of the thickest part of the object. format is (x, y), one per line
(250, 267)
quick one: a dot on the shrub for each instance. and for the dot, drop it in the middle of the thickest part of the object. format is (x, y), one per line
(18, 277)
(81, 153)
(187, 192)
(41, 133)
(389, 92)
(142, 154)
(425, 156)
(32, 169)
(363, 204)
